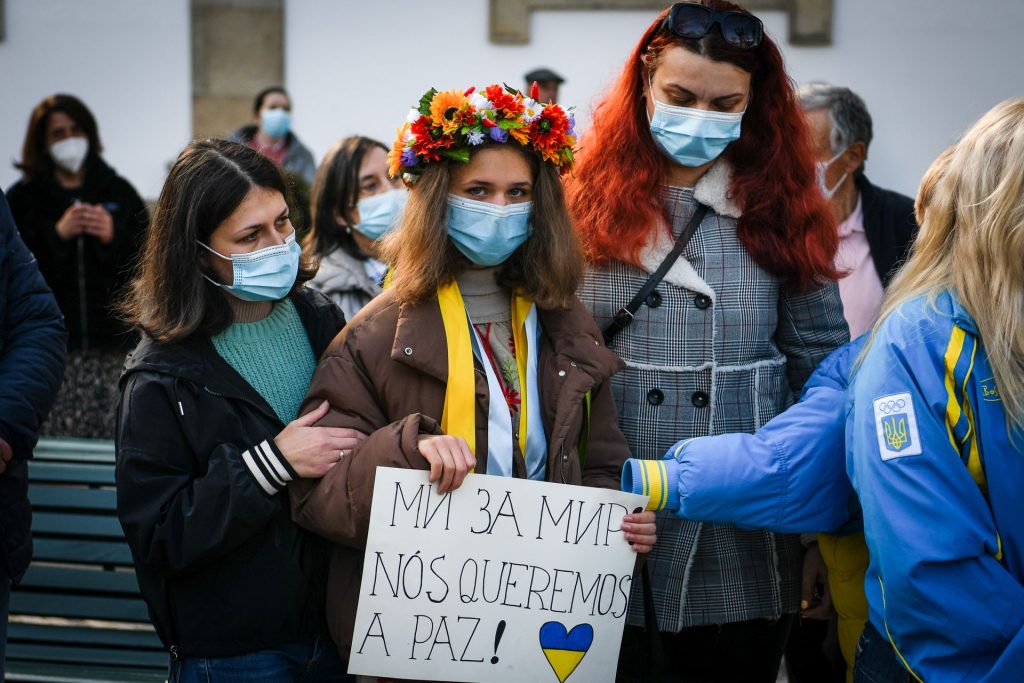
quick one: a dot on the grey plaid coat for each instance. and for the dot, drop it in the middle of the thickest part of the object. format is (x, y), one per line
(721, 347)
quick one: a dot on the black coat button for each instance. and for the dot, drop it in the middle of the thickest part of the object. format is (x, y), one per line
(702, 301)
(655, 397)
(699, 399)
(654, 299)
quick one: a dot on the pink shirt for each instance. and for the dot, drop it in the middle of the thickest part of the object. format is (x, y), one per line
(861, 289)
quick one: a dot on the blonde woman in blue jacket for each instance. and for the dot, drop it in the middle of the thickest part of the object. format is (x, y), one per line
(935, 439)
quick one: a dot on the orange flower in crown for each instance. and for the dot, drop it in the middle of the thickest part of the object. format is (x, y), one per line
(447, 125)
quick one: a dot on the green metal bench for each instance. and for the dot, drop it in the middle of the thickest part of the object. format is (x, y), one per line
(78, 614)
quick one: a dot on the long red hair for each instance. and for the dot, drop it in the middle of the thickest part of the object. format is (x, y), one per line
(787, 226)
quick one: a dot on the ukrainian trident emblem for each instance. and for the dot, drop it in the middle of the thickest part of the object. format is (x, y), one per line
(897, 437)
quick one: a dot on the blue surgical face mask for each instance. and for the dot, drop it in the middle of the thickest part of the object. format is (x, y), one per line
(264, 275)
(276, 122)
(487, 234)
(381, 212)
(693, 137)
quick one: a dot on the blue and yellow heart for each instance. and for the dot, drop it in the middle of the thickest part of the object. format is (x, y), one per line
(565, 649)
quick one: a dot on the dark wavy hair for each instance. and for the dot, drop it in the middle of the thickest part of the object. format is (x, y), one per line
(335, 192)
(169, 299)
(36, 162)
(786, 226)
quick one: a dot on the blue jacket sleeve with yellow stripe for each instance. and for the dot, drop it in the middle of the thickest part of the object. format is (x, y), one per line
(938, 584)
(788, 477)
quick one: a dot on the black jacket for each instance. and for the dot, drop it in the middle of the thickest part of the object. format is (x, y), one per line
(84, 274)
(889, 225)
(33, 345)
(219, 561)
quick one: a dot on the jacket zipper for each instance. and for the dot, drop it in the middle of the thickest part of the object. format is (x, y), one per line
(247, 401)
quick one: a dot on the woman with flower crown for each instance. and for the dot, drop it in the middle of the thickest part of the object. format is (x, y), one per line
(700, 153)
(482, 308)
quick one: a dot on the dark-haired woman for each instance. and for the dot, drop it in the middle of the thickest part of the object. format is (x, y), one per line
(208, 439)
(84, 223)
(703, 115)
(355, 203)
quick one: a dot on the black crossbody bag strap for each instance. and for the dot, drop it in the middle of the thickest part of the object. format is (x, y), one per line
(624, 317)
(655, 649)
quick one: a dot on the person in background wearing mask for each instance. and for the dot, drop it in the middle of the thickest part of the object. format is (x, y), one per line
(699, 164)
(876, 226)
(33, 345)
(85, 224)
(355, 203)
(482, 305)
(271, 134)
(547, 82)
(208, 435)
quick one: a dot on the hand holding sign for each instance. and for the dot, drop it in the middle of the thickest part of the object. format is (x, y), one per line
(499, 580)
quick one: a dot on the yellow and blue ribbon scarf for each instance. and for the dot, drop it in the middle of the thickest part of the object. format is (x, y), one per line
(459, 415)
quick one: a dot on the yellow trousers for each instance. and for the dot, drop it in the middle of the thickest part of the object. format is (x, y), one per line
(847, 560)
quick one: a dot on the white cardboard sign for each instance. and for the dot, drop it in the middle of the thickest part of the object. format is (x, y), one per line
(501, 580)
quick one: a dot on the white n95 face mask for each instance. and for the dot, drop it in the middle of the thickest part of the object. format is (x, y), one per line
(70, 153)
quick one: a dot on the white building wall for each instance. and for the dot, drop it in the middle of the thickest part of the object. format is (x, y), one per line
(128, 60)
(927, 68)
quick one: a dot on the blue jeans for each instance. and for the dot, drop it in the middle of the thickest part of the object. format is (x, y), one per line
(877, 661)
(313, 661)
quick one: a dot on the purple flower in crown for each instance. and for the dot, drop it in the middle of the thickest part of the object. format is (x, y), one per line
(572, 125)
(498, 134)
(409, 158)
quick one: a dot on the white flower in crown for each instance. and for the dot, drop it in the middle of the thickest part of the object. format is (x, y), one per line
(412, 116)
(480, 103)
(410, 138)
(531, 110)
(475, 137)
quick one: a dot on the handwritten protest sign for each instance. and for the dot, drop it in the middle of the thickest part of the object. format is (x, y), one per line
(501, 580)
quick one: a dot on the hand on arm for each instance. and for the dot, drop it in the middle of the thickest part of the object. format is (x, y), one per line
(313, 451)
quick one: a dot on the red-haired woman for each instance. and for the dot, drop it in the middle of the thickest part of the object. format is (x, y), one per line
(703, 121)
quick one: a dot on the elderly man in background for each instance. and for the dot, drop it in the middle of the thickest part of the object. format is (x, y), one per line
(876, 229)
(876, 226)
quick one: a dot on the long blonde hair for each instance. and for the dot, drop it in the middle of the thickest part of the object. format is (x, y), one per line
(971, 242)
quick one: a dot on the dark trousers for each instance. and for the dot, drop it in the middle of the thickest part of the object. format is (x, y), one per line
(744, 652)
(5, 605)
(877, 661)
(812, 654)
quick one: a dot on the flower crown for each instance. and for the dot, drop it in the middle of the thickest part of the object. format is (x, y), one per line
(447, 124)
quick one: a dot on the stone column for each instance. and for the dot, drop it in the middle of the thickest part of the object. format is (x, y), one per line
(237, 49)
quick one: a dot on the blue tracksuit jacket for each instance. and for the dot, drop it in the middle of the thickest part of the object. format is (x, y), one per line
(941, 484)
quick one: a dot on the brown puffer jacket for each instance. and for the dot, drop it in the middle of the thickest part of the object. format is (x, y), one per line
(386, 374)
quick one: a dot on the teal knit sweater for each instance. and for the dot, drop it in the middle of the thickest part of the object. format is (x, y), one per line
(273, 355)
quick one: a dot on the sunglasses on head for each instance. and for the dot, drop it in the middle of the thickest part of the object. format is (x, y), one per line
(693, 20)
